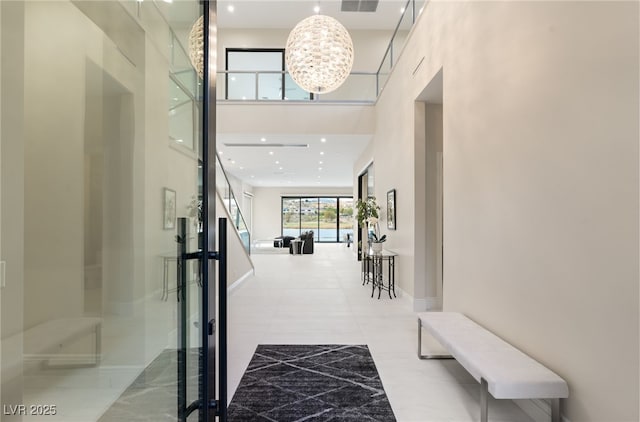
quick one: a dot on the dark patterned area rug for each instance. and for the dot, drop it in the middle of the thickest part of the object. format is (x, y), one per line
(287, 383)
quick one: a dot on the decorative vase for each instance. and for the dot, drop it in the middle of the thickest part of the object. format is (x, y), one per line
(376, 247)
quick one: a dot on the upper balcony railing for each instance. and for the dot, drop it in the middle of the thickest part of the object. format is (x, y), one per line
(359, 87)
(410, 12)
(263, 85)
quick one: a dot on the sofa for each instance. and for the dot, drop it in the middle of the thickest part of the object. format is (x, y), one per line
(307, 237)
(282, 241)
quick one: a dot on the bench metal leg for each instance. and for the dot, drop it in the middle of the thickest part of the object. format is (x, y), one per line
(98, 345)
(555, 410)
(420, 355)
(484, 400)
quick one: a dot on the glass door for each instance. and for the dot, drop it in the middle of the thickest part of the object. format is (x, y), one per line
(106, 306)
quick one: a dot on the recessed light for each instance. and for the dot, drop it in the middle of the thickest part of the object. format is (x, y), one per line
(179, 140)
(233, 161)
(233, 79)
(244, 98)
(270, 152)
(175, 99)
(320, 168)
(323, 140)
(277, 162)
(321, 152)
(220, 152)
(280, 168)
(319, 162)
(316, 9)
(241, 168)
(263, 139)
(230, 8)
(402, 10)
(252, 176)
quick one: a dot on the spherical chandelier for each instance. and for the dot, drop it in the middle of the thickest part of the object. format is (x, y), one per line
(196, 46)
(319, 54)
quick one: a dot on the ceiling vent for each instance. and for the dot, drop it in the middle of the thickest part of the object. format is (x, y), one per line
(227, 144)
(359, 5)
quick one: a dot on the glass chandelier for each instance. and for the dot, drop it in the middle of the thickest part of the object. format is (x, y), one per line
(196, 46)
(319, 54)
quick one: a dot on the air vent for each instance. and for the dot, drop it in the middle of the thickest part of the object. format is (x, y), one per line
(267, 145)
(359, 5)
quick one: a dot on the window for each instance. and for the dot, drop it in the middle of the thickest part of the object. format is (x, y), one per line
(259, 74)
(330, 218)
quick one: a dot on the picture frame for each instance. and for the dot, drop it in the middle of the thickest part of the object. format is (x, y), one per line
(391, 209)
(169, 209)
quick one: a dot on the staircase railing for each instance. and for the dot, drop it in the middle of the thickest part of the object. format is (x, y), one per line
(228, 197)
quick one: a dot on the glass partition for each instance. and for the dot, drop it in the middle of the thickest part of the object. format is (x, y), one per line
(262, 85)
(101, 143)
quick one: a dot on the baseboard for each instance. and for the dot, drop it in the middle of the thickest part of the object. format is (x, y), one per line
(419, 305)
(537, 409)
(426, 304)
(239, 281)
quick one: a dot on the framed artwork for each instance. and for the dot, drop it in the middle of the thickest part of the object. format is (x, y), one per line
(391, 209)
(169, 207)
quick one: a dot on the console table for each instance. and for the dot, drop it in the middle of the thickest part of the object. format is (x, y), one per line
(373, 271)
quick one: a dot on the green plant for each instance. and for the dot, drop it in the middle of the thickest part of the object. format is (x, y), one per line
(376, 240)
(366, 209)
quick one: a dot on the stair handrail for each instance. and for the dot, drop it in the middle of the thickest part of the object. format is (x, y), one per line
(238, 221)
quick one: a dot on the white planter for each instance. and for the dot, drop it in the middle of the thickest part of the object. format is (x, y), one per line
(376, 247)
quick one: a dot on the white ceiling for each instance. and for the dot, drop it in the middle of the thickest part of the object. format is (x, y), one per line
(281, 13)
(300, 166)
(286, 13)
(320, 164)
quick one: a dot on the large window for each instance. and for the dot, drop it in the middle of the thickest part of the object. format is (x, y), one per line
(330, 218)
(259, 74)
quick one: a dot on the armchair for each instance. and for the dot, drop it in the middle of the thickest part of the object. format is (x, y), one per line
(307, 247)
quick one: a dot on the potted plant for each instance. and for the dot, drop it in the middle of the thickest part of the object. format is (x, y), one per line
(376, 239)
(368, 213)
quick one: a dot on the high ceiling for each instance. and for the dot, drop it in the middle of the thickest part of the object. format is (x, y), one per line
(289, 166)
(286, 13)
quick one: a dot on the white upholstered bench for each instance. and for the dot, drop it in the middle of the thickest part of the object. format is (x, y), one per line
(41, 342)
(500, 368)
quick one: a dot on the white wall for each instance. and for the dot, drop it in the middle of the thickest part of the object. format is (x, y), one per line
(12, 203)
(369, 45)
(267, 207)
(540, 120)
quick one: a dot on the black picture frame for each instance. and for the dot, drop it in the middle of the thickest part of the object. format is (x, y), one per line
(391, 209)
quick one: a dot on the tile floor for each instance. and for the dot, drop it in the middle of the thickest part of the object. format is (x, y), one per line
(319, 299)
(302, 299)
